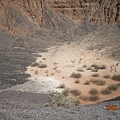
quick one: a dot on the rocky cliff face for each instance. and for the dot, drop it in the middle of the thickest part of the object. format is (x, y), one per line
(105, 11)
(22, 16)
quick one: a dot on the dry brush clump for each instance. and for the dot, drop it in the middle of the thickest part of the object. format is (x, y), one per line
(95, 75)
(62, 86)
(87, 83)
(106, 91)
(42, 65)
(95, 66)
(107, 76)
(98, 82)
(66, 92)
(110, 88)
(75, 75)
(36, 72)
(77, 81)
(35, 64)
(85, 98)
(59, 99)
(75, 92)
(93, 91)
(113, 87)
(94, 98)
(116, 77)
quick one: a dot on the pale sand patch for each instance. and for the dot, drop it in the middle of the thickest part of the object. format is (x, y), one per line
(66, 59)
(38, 85)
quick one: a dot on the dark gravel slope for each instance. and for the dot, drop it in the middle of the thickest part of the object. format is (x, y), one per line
(93, 112)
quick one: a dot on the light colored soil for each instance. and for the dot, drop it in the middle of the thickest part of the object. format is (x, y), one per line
(65, 59)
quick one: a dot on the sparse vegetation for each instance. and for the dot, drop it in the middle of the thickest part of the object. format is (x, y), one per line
(36, 72)
(89, 68)
(94, 98)
(106, 91)
(75, 92)
(107, 76)
(95, 75)
(84, 66)
(42, 65)
(98, 82)
(95, 66)
(75, 75)
(87, 83)
(35, 64)
(93, 91)
(80, 69)
(113, 87)
(62, 86)
(59, 99)
(102, 67)
(55, 68)
(77, 81)
(116, 77)
(94, 70)
(66, 92)
(52, 73)
(85, 98)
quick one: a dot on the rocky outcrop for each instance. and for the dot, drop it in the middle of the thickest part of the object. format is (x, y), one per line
(23, 16)
(106, 11)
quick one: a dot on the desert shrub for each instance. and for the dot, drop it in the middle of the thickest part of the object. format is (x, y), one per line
(116, 77)
(99, 66)
(107, 76)
(94, 70)
(85, 98)
(84, 66)
(55, 68)
(98, 82)
(61, 86)
(36, 72)
(35, 64)
(87, 83)
(106, 91)
(77, 81)
(80, 69)
(59, 99)
(94, 98)
(42, 65)
(113, 87)
(75, 75)
(102, 67)
(89, 68)
(95, 75)
(93, 91)
(66, 92)
(75, 92)
(118, 84)
(94, 65)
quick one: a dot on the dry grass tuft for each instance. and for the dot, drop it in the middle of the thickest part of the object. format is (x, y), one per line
(75, 75)
(75, 92)
(77, 81)
(116, 77)
(42, 65)
(107, 76)
(95, 75)
(93, 91)
(98, 82)
(87, 83)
